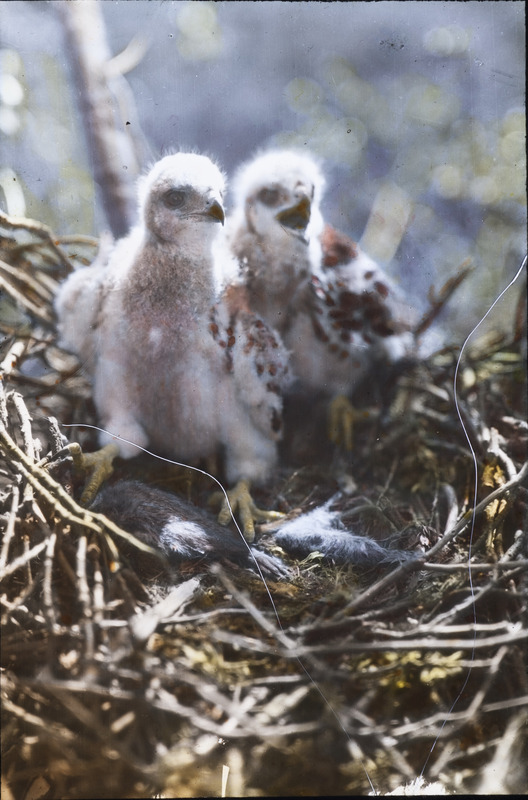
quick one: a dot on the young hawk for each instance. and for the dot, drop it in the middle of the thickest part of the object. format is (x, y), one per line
(176, 367)
(334, 307)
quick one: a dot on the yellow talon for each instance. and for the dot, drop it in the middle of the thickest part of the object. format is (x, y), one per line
(342, 417)
(97, 465)
(240, 501)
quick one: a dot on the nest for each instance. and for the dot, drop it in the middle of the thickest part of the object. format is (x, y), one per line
(114, 686)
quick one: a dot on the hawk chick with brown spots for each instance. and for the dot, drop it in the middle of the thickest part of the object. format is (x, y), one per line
(334, 307)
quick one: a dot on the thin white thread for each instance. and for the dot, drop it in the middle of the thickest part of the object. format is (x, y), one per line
(196, 469)
(475, 493)
(268, 592)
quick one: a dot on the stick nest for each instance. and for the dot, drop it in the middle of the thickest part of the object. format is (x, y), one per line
(118, 687)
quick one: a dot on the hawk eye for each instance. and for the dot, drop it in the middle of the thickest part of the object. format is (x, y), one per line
(174, 198)
(270, 197)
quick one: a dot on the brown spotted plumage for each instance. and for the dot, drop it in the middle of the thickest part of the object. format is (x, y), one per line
(334, 307)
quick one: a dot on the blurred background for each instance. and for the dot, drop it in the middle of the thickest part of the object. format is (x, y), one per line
(416, 108)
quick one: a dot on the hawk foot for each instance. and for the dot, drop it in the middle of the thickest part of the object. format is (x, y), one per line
(342, 417)
(98, 466)
(240, 501)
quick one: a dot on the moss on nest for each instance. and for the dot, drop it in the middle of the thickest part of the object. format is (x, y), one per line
(113, 687)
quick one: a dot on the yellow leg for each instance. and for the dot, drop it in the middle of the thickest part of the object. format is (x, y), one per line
(98, 466)
(341, 419)
(240, 501)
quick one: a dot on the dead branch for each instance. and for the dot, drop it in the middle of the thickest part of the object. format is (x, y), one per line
(110, 146)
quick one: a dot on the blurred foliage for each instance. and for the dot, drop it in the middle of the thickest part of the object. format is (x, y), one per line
(425, 142)
(44, 125)
(200, 35)
(421, 174)
(465, 179)
(427, 128)
(11, 92)
(458, 157)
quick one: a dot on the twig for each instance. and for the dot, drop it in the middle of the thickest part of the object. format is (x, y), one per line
(10, 528)
(246, 603)
(17, 605)
(473, 598)
(489, 676)
(501, 705)
(47, 593)
(439, 301)
(79, 238)
(348, 647)
(449, 630)
(452, 512)
(15, 352)
(475, 567)
(24, 301)
(142, 626)
(44, 292)
(25, 424)
(23, 560)
(51, 728)
(54, 494)
(85, 599)
(56, 438)
(168, 704)
(418, 563)
(40, 230)
(494, 449)
(98, 594)
(460, 717)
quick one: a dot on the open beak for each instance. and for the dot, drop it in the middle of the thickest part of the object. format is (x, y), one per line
(297, 217)
(216, 212)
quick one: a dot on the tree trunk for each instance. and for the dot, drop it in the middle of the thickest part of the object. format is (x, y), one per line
(114, 161)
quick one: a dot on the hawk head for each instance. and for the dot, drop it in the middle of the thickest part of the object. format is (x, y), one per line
(182, 193)
(278, 195)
